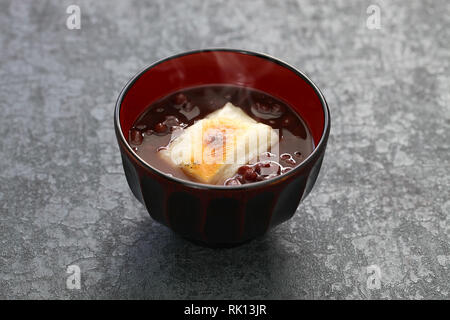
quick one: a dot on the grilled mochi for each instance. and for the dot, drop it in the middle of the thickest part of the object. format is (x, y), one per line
(212, 149)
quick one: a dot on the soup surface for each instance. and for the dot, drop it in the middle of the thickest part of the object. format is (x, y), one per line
(166, 120)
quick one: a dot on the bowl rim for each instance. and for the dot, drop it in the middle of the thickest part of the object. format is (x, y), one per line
(319, 146)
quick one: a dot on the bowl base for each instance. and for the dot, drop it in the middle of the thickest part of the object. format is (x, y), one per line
(216, 245)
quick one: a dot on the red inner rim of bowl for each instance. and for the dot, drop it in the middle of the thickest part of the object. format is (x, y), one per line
(223, 67)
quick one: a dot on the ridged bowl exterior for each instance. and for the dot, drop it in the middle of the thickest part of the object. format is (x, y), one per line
(219, 217)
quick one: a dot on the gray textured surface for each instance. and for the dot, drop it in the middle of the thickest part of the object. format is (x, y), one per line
(383, 194)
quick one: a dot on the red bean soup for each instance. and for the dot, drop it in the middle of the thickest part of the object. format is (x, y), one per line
(165, 119)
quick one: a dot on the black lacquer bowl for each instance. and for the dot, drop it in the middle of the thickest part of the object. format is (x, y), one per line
(210, 214)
